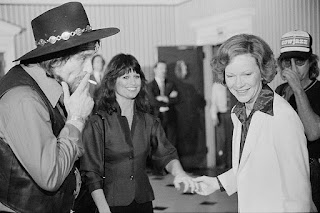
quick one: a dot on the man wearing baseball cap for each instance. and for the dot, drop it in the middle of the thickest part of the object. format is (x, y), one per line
(299, 68)
(44, 102)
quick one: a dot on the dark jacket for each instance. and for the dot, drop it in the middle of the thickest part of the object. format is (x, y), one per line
(18, 190)
(119, 154)
(154, 91)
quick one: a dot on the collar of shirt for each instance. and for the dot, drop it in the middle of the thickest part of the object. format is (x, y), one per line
(264, 103)
(117, 108)
(50, 87)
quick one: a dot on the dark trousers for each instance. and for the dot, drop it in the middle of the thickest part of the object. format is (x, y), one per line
(134, 207)
(315, 181)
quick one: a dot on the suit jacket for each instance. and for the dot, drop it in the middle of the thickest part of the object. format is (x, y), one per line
(154, 91)
(273, 174)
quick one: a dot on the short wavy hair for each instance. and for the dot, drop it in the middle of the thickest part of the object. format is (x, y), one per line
(117, 67)
(314, 68)
(245, 44)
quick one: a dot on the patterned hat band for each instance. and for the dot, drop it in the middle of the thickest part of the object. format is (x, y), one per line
(65, 36)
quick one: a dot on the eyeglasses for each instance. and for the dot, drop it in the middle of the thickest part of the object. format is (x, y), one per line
(286, 62)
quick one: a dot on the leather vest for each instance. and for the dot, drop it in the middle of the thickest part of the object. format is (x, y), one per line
(18, 190)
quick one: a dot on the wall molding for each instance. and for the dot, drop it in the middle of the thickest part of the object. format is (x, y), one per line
(216, 29)
(97, 2)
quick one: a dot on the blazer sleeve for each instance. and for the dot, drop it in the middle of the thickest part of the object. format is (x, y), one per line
(294, 163)
(162, 149)
(229, 181)
(91, 163)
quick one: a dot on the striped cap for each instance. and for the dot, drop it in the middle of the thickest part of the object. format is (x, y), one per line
(296, 44)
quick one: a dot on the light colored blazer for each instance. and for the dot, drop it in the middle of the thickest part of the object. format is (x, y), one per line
(273, 174)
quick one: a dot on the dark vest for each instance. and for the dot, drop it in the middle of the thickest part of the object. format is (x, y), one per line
(18, 190)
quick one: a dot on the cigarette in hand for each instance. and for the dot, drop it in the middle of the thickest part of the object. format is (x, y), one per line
(92, 82)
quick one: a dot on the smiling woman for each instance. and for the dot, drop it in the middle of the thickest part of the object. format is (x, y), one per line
(261, 147)
(117, 146)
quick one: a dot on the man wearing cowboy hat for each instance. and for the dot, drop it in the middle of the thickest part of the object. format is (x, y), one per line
(299, 68)
(44, 102)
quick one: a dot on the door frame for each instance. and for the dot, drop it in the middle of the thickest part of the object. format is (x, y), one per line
(8, 32)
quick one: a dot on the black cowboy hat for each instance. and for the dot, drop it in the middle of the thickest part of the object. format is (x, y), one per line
(61, 28)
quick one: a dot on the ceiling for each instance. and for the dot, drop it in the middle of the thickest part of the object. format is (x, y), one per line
(98, 2)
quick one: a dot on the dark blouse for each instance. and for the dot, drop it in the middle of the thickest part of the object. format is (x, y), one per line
(122, 156)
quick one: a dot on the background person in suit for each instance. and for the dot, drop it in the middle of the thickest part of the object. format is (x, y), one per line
(270, 169)
(163, 95)
(98, 72)
(191, 151)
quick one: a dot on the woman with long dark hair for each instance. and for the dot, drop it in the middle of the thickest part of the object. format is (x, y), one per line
(118, 139)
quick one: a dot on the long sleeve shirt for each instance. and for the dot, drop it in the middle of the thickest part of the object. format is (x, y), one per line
(26, 127)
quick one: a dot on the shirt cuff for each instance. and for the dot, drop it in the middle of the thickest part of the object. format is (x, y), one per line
(77, 123)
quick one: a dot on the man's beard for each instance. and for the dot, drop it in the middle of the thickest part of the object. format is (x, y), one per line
(72, 85)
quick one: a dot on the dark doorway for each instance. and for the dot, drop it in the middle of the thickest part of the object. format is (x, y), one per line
(191, 143)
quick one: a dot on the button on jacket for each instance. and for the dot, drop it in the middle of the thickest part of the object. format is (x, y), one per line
(125, 155)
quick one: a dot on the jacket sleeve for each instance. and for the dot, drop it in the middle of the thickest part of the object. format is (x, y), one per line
(91, 163)
(229, 181)
(294, 164)
(152, 97)
(173, 99)
(162, 150)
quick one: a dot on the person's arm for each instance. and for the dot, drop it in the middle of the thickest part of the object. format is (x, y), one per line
(100, 201)
(27, 129)
(173, 97)
(153, 97)
(164, 155)
(180, 176)
(225, 182)
(92, 161)
(310, 120)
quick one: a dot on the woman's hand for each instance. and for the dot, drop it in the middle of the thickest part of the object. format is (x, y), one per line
(207, 185)
(188, 182)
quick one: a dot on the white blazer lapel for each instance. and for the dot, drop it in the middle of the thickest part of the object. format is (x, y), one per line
(236, 137)
(253, 134)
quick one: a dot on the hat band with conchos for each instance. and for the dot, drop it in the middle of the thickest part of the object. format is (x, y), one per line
(65, 36)
(61, 28)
